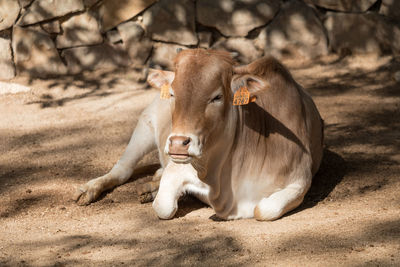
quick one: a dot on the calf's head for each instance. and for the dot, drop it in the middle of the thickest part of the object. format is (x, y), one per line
(200, 96)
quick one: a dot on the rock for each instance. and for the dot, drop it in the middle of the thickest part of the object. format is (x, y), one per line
(79, 30)
(7, 69)
(236, 18)
(113, 36)
(24, 3)
(9, 10)
(47, 9)
(391, 9)
(112, 14)
(362, 33)
(205, 39)
(12, 88)
(344, 5)
(247, 52)
(130, 29)
(35, 53)
(135, 42)
(164, 54)
(396, 76)
(103, 56)
(90, 3)
(296, 29)
(171, 21)
(51, 27)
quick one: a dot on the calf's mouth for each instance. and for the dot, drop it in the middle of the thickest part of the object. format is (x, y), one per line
(180, 157)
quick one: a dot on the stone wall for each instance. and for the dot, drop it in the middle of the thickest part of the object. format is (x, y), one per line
(44, 38)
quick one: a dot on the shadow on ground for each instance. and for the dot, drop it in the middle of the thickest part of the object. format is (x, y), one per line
(163, 248)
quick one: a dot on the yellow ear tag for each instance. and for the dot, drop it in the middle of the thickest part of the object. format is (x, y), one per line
(165, 91)
(241, 97)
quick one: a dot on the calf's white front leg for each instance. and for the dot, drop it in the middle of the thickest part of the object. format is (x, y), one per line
(142, 142)
(177, 179)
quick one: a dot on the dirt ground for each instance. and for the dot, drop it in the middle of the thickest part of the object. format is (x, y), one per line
(69, 130)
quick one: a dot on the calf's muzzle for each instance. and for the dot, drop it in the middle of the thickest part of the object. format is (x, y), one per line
(179, 147)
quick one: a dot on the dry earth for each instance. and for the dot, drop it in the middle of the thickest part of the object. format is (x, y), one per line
(67, 131)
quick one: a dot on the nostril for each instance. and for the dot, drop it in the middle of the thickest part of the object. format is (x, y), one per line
(186, 142)
(177, 141)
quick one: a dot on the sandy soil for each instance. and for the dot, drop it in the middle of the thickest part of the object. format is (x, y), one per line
(67, 131)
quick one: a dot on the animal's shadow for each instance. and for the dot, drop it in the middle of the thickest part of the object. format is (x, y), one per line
(139, 173)
(188, 204)
(331, 172)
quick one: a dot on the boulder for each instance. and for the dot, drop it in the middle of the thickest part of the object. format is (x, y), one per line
(79, 30)
(164, 54)
(7, 69)
(90, 3)
(362, 33)
(41, 10)
(135, 42)
(24, 3)
(391, 9)
(247, 52)
(236, 18)
(9, 10)
(171, 21)
(112, 13)
(205, 39)
(103, 56)
(51, 27)
(396, 76)
(35, 53)
(297, 30)
(113, 36)
(344, 5)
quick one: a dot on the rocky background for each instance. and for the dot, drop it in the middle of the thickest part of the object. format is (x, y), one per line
(43, 38)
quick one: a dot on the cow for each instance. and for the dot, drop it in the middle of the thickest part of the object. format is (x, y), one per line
(255, 159)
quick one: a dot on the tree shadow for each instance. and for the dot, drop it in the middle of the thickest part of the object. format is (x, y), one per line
(25, 204)
(161, 248)
(48, 100)
(373, 235)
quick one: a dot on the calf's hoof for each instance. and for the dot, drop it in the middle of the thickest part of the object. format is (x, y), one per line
(147, 191)
(163, 211)
(85, 194)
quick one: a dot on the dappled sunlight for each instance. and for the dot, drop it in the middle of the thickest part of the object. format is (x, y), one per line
(375, 235)
(350, 213)
(77, 87)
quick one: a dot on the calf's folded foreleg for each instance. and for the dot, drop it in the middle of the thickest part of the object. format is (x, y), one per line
(141, 143)
(177, 179)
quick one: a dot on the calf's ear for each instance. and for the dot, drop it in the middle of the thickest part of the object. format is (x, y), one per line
(159, 78)
(247, 86)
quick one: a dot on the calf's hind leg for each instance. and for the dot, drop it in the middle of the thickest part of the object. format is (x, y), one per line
(141, 143)
(276, 205)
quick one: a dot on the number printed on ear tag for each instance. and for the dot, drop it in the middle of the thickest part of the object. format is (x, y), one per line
(241, 97)
(165, 91)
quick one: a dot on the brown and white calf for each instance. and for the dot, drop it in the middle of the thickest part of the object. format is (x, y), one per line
(255, 160)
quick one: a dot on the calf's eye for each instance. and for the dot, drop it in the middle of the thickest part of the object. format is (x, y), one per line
(216, 99)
